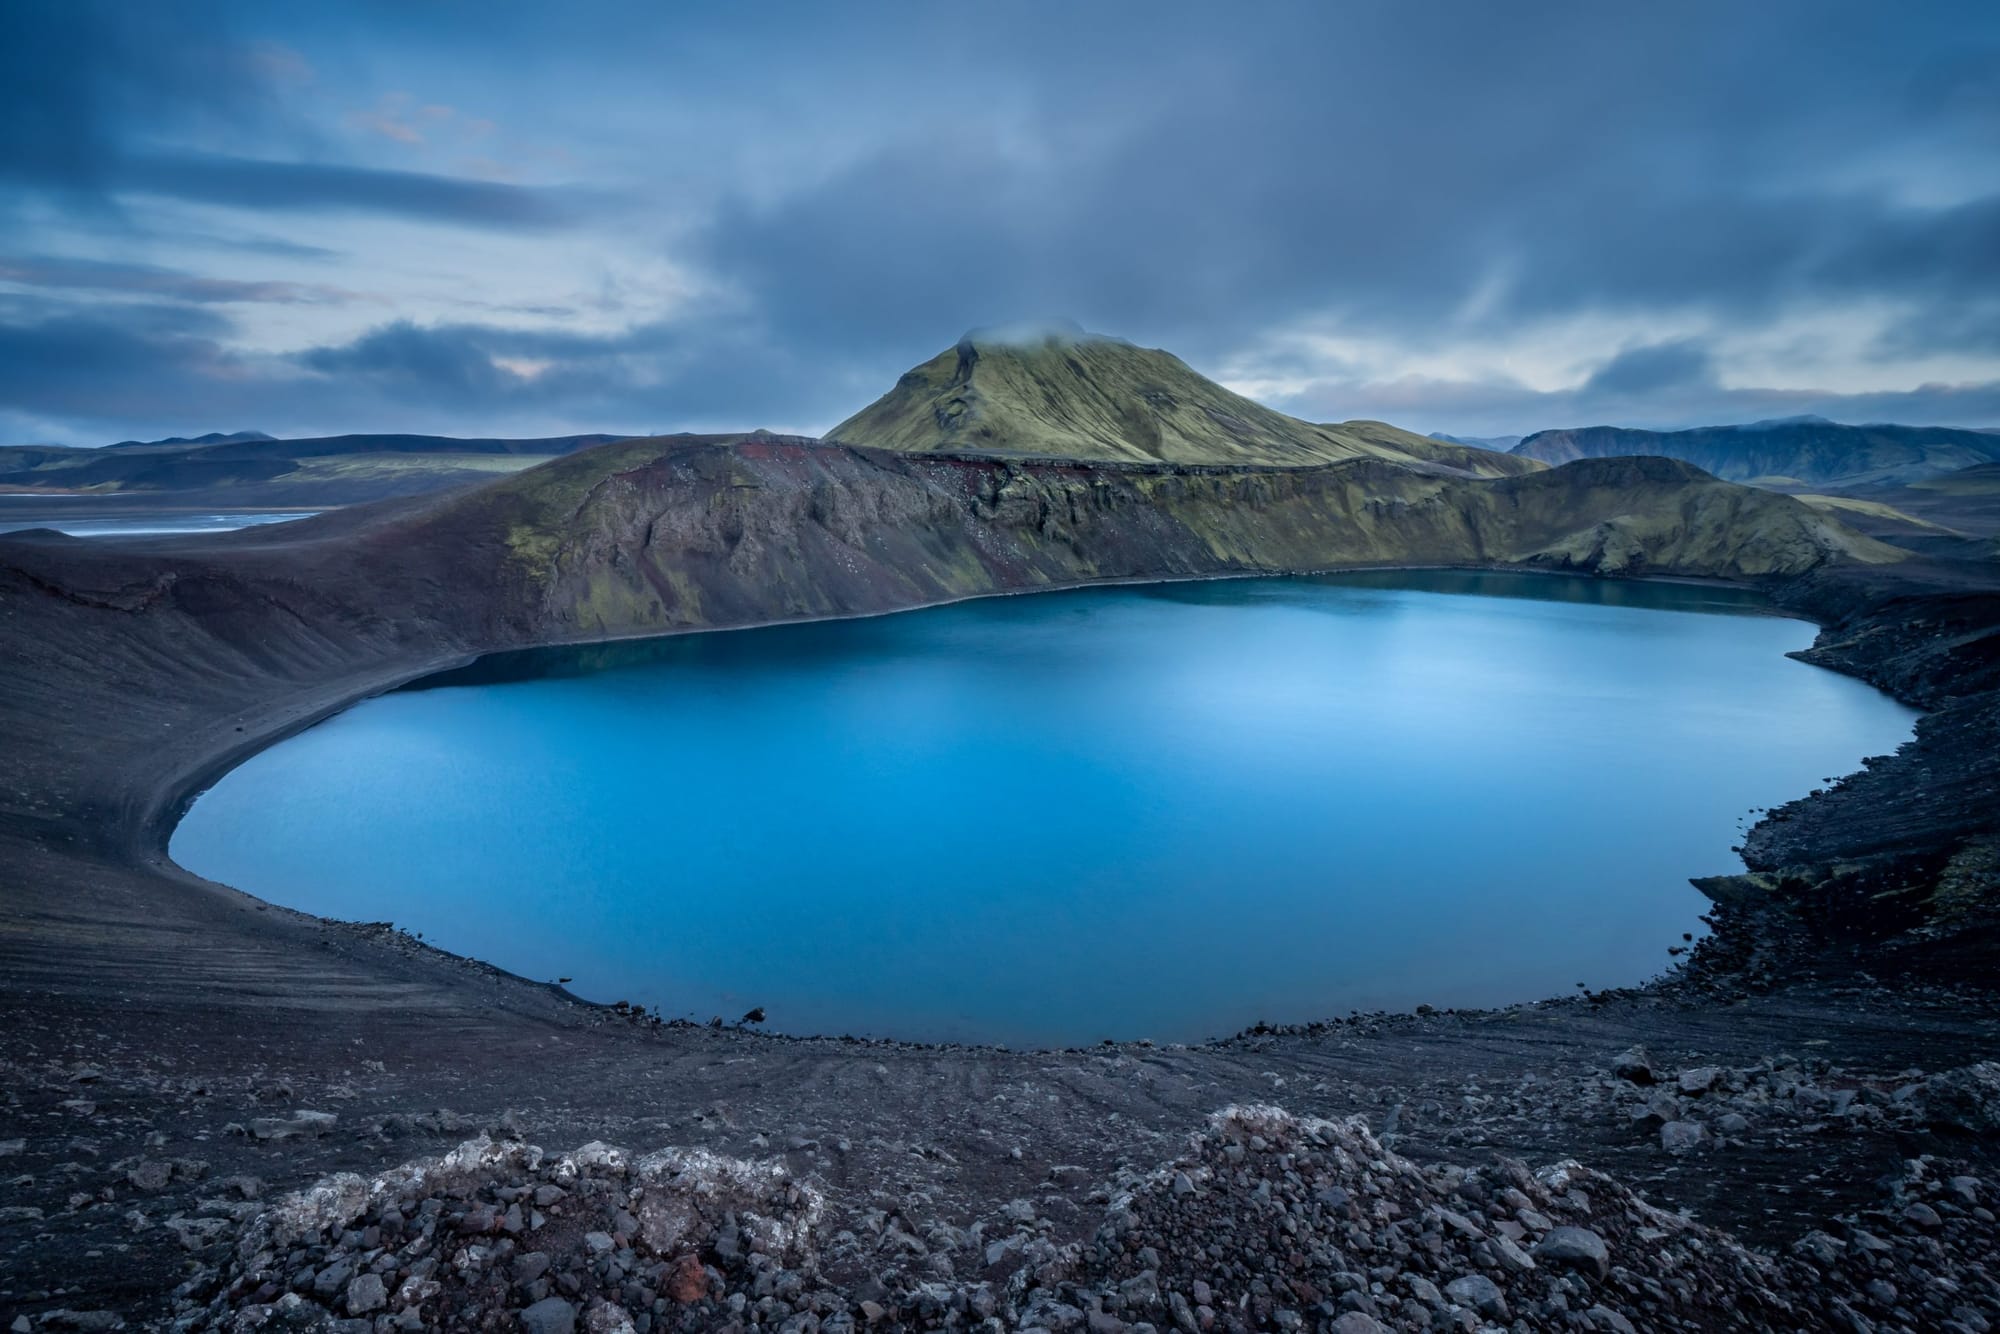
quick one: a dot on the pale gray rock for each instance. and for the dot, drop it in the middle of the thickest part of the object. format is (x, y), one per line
(1679, 1137)
(1575, 1248)
(365, 1293)
(551, 1315)
(1480, 1293)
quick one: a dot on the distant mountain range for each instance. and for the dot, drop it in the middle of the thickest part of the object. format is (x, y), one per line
(1502, 443)
(249, 468)
(1057, 392)
(212, 438)
(1794, 451)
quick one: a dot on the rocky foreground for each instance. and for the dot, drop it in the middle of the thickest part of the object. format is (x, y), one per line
(1268, 1220)
(177, 1060)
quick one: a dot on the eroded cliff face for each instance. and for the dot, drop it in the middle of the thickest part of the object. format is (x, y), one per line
(670, 534)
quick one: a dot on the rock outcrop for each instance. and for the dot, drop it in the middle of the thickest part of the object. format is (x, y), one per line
(1269, 1221)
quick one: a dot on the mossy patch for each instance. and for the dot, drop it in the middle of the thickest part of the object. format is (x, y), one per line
(1970, 881)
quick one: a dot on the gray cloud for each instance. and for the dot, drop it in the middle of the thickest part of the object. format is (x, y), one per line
(307, 186)
(88, 89)
(128, 364)
(658, 376)
(1403, 177)
(1506, 407)
(153, 280)
(1652, 367)
(403, 359)
(1661, 169)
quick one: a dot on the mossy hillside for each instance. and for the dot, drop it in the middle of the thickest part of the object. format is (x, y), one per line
(662, 535)
(330, 470)
(1069, 394)
(537, 507)
(1982, 480)
(388, 467)
(1869, 509)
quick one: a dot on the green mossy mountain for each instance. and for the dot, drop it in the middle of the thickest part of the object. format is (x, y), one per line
(1058, 392)
(1795, 450)
(643, 536)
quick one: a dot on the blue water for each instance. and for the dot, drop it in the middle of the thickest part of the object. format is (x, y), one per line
(220, 521)
(1164, 812)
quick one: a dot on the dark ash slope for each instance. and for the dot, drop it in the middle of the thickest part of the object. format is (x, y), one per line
(147, 1010)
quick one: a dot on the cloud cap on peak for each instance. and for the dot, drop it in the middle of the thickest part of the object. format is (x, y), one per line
(1033, 333)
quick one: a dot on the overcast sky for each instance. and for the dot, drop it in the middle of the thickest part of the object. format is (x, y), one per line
(518, 219)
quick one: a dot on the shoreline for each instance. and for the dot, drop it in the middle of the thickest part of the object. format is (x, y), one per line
(159, 1016)
(177, 794)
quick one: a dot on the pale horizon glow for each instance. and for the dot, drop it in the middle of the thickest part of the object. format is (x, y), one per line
(230, 216)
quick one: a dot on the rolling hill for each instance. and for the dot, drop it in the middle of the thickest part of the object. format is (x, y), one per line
(1503, 443)
(1058, 392)
(251, 469)
(644, 536)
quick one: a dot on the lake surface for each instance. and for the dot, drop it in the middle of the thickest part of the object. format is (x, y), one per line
(148, 525)
(1166, 812)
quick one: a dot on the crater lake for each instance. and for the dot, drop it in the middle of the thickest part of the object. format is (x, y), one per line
(1165, 811)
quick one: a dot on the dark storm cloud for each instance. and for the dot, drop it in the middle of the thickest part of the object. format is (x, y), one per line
(129, 362)
(1974, 328)
(1386, 163)
(1947, 254)
(314, 187)
(1652, 367)
(152, 280)
(77, 79)
(404, 358)
(88, 90)
(1402, 174)
(656, 376)
(862, 183)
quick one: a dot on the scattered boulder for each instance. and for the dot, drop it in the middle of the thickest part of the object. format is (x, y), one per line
(1575, 1248)
(1681, 1137)
(1966, 1099)
(299, 1125)
(1699, 1080)
(365, 1293)
(551, 1315)
(1356, 1322)
(1480, 1293)
(150, 1175)
(81, 1320)
(1635, 1066)
(688, 1281)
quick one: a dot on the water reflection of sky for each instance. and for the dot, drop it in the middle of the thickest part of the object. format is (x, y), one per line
(154, 525)
(1164, 812)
